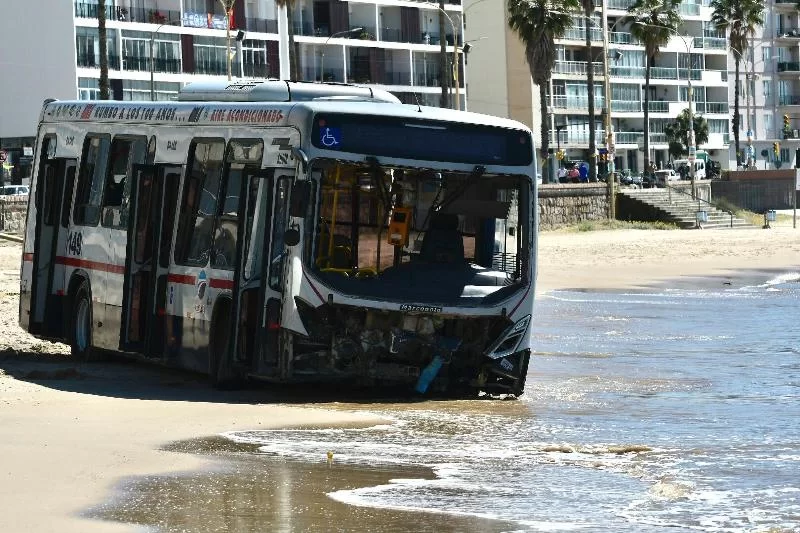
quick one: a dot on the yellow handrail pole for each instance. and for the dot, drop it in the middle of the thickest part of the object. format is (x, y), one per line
(335, 206)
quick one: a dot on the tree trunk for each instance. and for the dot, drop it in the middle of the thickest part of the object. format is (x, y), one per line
(590, 93)
(443, 77)
(543, 149)
(649, 62)
(102, 37)
(736, 96)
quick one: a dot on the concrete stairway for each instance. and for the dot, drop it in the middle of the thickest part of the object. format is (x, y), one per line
(679, 208)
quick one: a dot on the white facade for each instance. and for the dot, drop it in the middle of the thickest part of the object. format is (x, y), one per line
(38, 62)
(698, 56)
(390, 43)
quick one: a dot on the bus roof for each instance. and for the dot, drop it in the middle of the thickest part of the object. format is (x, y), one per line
(279, 91)
(252, 113)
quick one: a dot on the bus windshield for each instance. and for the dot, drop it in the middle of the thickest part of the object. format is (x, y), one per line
(418, 235)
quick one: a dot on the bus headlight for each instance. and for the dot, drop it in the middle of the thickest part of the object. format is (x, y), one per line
(507, 343)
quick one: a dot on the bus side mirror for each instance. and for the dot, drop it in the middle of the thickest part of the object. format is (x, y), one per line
(301, 191)
(291, 237)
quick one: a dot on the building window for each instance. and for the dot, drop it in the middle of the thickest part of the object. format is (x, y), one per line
(785, 155)
(766, 53)
(88, 89)
(716, 125)
(139, 90)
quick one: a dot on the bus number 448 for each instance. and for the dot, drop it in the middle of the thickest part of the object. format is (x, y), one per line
(74, 243)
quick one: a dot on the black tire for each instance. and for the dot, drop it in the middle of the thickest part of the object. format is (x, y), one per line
(81, 329)
(221, 372)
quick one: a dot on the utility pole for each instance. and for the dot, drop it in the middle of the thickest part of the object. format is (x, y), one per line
(443, 77)
(227, 5)
(610, 179)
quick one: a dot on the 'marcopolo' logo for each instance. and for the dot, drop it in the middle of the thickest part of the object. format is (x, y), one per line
(420, 308)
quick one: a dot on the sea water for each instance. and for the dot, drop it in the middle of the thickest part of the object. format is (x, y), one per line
(662, 411)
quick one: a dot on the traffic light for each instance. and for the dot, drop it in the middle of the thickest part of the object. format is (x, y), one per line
(560, 155)
(776, 149)
(786, 125)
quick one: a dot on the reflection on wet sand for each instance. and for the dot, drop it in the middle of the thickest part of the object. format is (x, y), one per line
(247, 492)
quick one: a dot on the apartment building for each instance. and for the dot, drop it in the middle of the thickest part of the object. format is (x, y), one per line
(770, 86)
(697, 57)
(391, 43)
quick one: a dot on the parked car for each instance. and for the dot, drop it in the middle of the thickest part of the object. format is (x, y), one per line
(14, 191)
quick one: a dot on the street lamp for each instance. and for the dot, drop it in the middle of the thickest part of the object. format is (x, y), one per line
(152, 42)
(691, 143)
(325, 44)
(455, 52)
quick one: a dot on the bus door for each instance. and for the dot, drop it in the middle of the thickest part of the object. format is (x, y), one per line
(258, 279)
(151, 218)
(47, 288)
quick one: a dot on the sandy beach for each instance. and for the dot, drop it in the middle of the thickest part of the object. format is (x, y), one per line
(72, 432)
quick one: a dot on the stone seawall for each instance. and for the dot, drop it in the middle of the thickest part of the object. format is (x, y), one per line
(12, 216)
(570, 203)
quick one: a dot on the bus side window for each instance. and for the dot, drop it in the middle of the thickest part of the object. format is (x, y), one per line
(124, 154)
(199, 203)
(90, 180)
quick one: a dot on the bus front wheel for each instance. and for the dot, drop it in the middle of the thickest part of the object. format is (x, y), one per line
(82, 330)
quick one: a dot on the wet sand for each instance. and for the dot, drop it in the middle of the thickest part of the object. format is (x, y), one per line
(77, 438)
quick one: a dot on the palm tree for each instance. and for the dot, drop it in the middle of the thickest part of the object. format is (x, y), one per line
(294, 72)
(538, 23)
(588, 11)
(653, 22)
(103, 45)
(738, 18)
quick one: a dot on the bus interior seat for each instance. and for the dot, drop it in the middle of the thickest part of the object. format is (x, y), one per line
(442, 242)
(341, 254)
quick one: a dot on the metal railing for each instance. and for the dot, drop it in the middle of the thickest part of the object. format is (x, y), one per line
(696, 197)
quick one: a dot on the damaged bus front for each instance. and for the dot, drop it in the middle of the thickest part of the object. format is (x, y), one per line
(411, 258)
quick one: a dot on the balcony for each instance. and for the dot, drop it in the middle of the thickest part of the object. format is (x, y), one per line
(788, 99)
(626, 106)
(142, 64)
(93, 61)
(711, 43)
(579, 34)
(627, 72)
(689, 10)
(577, 137)
(658, 106)
(261, 25)
(628, 137)
(576, 68)
(718, 108)
(788, 33)
(127, 14)
(624, 5)
(789, 66)
(695, 73)
(576, 102)
(621, 37)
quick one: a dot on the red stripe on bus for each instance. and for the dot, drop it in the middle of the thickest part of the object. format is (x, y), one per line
(91, 265)
(321, 299)
(27, 257)
(220, 283)
(181, 278)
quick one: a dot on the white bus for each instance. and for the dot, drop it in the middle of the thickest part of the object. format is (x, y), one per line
(288, 232)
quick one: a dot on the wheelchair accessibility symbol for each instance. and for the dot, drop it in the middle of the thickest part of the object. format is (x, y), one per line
(329, 137)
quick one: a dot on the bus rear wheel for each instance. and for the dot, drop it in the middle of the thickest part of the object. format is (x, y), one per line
(82, 327)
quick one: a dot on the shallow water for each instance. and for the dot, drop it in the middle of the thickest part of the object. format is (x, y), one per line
(673, 410)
